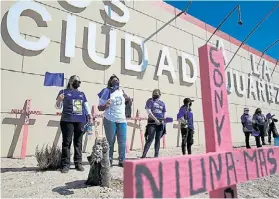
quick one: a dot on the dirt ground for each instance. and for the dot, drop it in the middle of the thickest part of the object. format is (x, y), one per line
(20, 178)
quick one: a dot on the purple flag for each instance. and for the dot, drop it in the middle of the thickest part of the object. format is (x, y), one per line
(104, 94)
(168, 120)
(54, 79)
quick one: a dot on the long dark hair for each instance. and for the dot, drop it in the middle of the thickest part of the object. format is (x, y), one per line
(110, 80)
(256, 111)
(71, 80)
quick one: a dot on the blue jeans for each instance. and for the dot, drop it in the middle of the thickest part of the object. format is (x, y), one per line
(113, 129)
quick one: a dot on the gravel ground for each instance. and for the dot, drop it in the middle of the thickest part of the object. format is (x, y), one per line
(20, 178)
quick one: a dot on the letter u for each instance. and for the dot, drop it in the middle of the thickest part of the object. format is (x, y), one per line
(91, 46)
(240, 84)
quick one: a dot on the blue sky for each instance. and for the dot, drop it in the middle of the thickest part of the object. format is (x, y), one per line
(213, 12)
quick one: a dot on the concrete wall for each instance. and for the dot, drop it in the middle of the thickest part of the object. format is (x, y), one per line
(22, 71)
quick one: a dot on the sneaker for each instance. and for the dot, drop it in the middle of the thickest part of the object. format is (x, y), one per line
(79, 167)
(65, 169)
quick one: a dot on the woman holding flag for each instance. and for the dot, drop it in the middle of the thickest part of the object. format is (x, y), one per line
(112, 101)
(185, 116)
(75, 113)
(156, 111)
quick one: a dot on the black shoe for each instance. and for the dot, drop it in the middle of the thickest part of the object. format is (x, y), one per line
(259, 146)
(269, 143)
(264, 143)
(79, 167)
(248, 147)
(120, 164)
(65, 169)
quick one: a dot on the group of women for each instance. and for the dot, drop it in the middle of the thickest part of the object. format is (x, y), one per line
(258, 126)
(112, 99)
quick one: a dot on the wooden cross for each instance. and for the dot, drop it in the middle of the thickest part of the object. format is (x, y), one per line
(53, 123)
(135, 127)
(23, 121)
(217, 171)
(177, 126)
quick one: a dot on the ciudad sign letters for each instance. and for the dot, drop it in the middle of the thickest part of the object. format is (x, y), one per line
(255, 85)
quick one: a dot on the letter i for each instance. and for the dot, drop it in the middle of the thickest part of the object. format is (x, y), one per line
(70, 41)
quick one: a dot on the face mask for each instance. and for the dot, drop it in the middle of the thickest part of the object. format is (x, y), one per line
(76, 84)
(155, 97)
(115, 85)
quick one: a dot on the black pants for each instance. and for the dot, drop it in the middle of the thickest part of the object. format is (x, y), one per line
(68, 130)
(247, 137)
(187, 140)
(153, 131)
(258, 141)
(262, 133)
(274, 133)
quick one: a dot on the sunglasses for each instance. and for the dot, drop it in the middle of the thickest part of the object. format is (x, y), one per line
(77, 81)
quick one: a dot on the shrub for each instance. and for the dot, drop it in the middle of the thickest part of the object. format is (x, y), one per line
(48, 158)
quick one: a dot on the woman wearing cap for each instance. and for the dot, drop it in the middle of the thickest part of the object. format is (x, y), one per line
(272, 127)
(260, 120)
(112, 101)
(156, 111)
(247, 124)
(74, 115)
(186, 119)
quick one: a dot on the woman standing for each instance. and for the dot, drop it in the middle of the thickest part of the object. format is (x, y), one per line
(272, 127)
(247, 124)
(185, 116)
(156, 111)
(260, 120)
(112, 101)
(74, 115)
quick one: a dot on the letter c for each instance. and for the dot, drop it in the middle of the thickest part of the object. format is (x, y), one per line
(13, 24)
(79, 4)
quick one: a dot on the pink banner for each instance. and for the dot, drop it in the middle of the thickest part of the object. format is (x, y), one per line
(183, 176)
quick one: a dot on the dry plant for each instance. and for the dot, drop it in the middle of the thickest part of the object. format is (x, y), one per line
(48, 158)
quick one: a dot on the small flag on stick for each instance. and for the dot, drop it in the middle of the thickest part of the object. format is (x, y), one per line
(54, 79)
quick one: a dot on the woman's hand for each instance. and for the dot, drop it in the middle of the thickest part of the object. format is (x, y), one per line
(157, 122)
(108, 103)
(60, 97)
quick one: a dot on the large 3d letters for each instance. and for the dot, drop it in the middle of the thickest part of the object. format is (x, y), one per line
(13, 24)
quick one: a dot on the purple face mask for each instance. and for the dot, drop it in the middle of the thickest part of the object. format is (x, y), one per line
(115, 85)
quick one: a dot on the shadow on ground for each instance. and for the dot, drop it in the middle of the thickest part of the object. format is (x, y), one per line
(20, 169)
(66, 190)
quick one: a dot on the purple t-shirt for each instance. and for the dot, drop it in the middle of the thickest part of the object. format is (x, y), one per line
(247, 120)
(157, 107)
(73, 106)
(186, 114)
(260, 119)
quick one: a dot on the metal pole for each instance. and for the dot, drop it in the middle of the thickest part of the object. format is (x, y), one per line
(272, 10)
(274, 67)
(239, 21)
(267, 50)
(184, 11)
